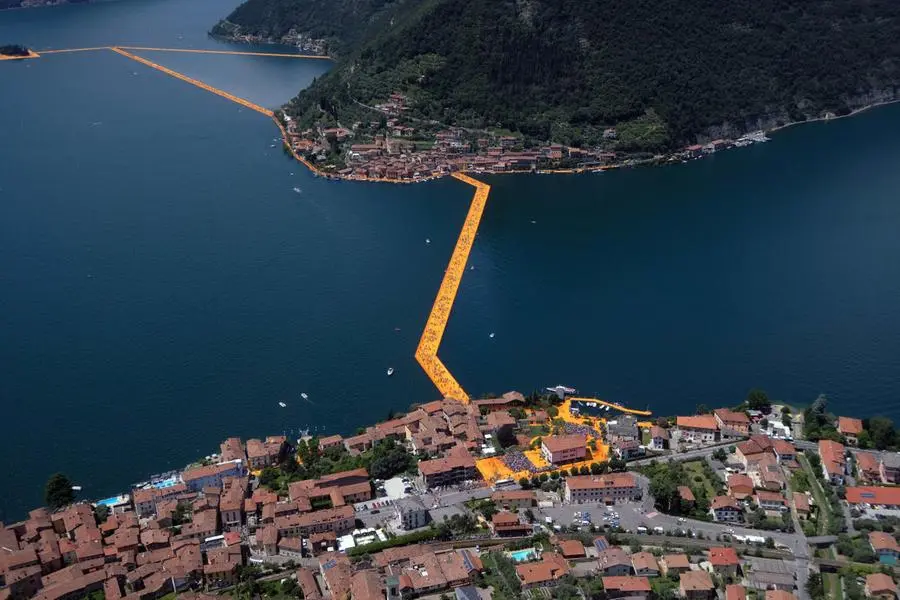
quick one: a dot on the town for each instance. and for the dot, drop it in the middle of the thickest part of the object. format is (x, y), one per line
(540, 496)
(399, 148)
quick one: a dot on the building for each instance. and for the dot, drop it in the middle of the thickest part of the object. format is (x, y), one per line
(696, 585)
(890, 467)
(659, 438)
(879, 585)
(623, 429)
(770, 501)
(735, 421)
(780, 595)
(212, 476)
(571, 549)
(626, 587)
(734, 591)
(688, 499)
(411, 512)
(725, 509)
(507, 524)
(644, 564)
(887, 497)
(366, 585)
(551, 568)
(561, 449)
(724, 561)
(609, 488)
(699, 429)
(613, 561)
(885, 547)
(850, 428)
(514, 499)
(674, 564)
(740, 486)
(339, 520)
(868, 468)
(628, 449)
(834, 462)
(801, 504)
(449, 470)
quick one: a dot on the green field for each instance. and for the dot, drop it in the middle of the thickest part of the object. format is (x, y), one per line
(695, 468)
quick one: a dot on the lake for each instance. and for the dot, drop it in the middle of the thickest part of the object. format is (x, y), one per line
(163, 285)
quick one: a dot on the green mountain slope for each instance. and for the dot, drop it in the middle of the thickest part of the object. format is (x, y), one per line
(566, 69)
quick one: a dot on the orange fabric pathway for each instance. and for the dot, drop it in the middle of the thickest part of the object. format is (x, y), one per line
(229, 52)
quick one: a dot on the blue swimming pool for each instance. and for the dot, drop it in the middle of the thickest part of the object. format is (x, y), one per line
(523, 555)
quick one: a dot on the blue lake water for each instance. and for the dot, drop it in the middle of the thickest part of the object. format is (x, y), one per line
(162, 285)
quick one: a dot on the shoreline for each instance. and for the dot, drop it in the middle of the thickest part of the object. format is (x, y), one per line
(660, 160)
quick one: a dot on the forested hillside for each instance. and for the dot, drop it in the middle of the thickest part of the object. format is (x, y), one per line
(566, 69)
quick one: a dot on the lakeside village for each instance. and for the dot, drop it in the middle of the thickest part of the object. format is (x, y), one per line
(400, 149)
(544, 496)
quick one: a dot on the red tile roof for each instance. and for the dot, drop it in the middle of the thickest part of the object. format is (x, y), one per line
(849, 426)
(626, 583)
(874, 495)
(883, 541)
(698, 422)
(723, 556)
(560, 443)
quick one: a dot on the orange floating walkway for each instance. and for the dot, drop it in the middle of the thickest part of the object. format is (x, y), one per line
(630, 411)
(196, 82)
(231, 52)
(426, 353)
(66, 50)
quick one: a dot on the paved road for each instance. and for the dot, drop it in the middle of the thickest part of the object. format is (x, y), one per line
(698, 453)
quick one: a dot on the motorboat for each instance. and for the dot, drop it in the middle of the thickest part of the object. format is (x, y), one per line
(304, 396)
(390, 371)
(282, 404)
(492, 335)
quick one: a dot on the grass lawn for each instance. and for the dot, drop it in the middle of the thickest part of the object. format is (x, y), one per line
(823, 506)
(832, 584)
(695, 468)
(645, 437)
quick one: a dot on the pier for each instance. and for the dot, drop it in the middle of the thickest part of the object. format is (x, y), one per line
(630, 411)
(426, 353)
(196, 82)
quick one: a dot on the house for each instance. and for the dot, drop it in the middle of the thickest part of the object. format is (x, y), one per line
(561, 449)
(659, 438)
(785, 451)
(626, 587)
(366, 585)
(801, 504)
(696, 585)
(770, 501)
(614, 561)
(740, 486)
(674, 564)
(850, 428)
(879, 585)
(734, 591)
(687, 496)
(623, 429)
(885, 547)
(725, 509)
(572, 549)
(834, 463)
(868, 468)
(735, 421)
(411, 512)
(514, 499)
(888, 497)
(751, 451)
(779, 595)
(609, 488)
(452, 469)
(212, 476)
(700, 429)
(628, 449)
(551, 568)
(644, 564)
(306, 580)
(724, 561)
(890, 467)
(506, 524)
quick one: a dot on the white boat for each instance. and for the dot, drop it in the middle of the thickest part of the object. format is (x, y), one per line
(427, 240)
(298, 190)
(304, 396)
(390, 371)
(76, 488)
(492, 335)
(282, 404)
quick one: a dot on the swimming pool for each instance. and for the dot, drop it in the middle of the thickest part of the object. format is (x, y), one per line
(166, 483)
(523, 555)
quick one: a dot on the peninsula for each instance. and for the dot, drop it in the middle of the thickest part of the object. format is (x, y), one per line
(543, 85)
(15, 51)
(493, 498)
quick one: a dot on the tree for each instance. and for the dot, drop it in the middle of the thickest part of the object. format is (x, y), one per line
(58, 492)
(269, 477)
(101, 512)
(524, 483)
(758, 400)
(617, 464)
(814, 586)
(882, 431)
(720, 455)
(552, 411)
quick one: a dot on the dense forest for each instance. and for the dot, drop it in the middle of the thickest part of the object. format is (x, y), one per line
(566, 69)
(7, 4)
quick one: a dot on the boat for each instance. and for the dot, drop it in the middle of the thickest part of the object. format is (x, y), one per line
(304, 396)
(282, 404)
(492, 335)
(76, 488)
(298, 190)
(427, 240)
(390, 371)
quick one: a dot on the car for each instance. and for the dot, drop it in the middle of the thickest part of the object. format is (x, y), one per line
(681, 519)
(374, 511)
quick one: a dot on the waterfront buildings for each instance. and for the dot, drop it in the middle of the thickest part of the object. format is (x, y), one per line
(609, 488)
